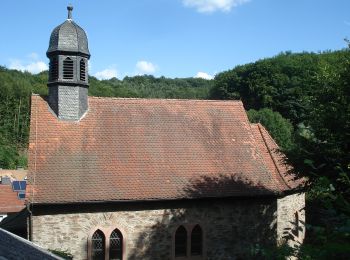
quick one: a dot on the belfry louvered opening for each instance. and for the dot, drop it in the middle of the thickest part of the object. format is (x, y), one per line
(53, 69)
(68, 68)
(82, 70)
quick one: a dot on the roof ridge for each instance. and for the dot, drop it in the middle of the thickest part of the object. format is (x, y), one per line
(259, 151)
(171, 99)
(260, 127)
(227, 102)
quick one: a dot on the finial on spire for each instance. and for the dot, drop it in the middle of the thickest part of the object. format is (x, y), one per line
(70, 9)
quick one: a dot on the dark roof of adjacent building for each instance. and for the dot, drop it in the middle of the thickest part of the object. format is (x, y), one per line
(151, 149)
(15, 247)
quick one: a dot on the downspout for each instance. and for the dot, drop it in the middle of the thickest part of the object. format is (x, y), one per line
(29, 223)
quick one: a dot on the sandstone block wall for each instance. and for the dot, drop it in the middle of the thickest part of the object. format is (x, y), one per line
(231, 227)
(291, 219)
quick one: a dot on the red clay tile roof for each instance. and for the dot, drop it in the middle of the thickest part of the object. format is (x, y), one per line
(9, 201)
(273, 158)
(150, 149)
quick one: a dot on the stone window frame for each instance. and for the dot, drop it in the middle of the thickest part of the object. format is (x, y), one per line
(189, 227)
(107, 231)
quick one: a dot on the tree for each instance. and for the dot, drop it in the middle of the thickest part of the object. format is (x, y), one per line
(280, 128)
(284, 83)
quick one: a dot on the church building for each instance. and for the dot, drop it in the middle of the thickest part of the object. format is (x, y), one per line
(128, 178)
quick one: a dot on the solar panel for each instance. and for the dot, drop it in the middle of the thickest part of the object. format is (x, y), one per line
(23, 185)
(19, 185)
(21, 195)
(15, 186)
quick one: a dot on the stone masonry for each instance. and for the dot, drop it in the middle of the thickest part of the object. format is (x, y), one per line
(291, 219)
(230, 226)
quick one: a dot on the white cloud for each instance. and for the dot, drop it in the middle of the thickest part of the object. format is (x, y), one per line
(145, 67)
(106, 74)
(33, 56)
(204, 75)
(31, 66)
(210, 6)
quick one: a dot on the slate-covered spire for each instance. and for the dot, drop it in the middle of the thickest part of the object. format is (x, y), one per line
(68, 74)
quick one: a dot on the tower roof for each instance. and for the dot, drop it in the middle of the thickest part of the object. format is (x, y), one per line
(68, 37)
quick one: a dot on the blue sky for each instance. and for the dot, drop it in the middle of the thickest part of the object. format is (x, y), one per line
(173, 38)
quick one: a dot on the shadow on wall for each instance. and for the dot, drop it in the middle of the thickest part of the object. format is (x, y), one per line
(212, 228)
(293, 233)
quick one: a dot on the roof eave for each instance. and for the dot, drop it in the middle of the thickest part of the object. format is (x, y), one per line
(270, 195)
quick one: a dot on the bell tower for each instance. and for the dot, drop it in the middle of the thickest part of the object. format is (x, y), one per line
(68, 71)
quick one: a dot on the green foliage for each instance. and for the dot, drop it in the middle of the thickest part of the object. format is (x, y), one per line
(15, 89)
(280, 128)
(331, 250)
(62, 253)
(324, 137)
(148, 86)
(312, 91)
(280, 252)
(324, 251)
(8, 157)
(322, 155)
(284, 83)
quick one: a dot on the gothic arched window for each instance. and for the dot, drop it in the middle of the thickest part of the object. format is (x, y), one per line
(116, 245)
(68, 68)
(98, 242)
(196, 241)
(82, 70)
(53, 69)
(181, 242)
